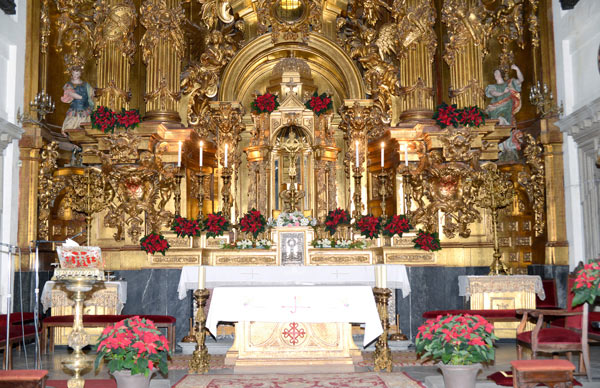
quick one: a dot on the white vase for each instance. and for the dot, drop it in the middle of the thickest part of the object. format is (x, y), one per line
(125, 379)
(460, 376)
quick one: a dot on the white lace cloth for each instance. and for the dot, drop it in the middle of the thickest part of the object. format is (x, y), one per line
(48, 300)
(468, 285)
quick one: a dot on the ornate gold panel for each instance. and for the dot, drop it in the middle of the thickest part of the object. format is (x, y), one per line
(339, 257)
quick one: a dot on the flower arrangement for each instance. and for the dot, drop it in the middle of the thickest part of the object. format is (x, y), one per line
(265, 103)
(340, 244)
(369, 226)
(154, 243)
(448, 115)
(319, 103)
(105, 120)
(335, 218)
(215, 224)
(587, 284)
(248, 244)
(133, 344)
(427, 241)
(396, 224)
(456, 339)
(295, 218)
(253, 222)
(186, 228)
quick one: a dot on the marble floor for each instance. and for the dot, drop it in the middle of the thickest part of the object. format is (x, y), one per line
(430, 375)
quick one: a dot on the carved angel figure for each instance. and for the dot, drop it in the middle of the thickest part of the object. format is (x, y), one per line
(506, 97)
(80, 95)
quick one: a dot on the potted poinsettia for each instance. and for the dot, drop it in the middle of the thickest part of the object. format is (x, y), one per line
(154, 243)
(369, 226)
(587, 284)
(265, 103)
(336, 218)
(133, 348)
(253, 223)
(319, 103)
(461, 343)
(427, 241)
(395, 225)
(215, 224)
(184, 227)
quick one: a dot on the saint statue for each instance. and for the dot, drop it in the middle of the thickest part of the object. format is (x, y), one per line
(80, 95)
(509, 148)
(506, 97)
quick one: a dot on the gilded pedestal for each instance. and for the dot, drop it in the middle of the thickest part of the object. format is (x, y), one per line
(383, 354)
(200, 362)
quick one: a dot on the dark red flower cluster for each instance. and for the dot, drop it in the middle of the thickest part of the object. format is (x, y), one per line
(334, 218)
(427, 241)
(448, 115)
(129, 118)
(587, 284)
(104, 119)
(471, 117)
(369, 226)
(215, 225)
(265, 103)
(186, 228)
(154, 243)
(319, 104)
(396, 224)
(253, 222)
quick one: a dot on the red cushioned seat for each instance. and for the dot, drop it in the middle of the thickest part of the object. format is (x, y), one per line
(15, 332)
(553, 334)
(16, 318)
(488, 314)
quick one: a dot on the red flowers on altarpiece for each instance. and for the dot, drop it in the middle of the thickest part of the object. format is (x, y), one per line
(369, 226)
(154, 243)
(334, 218)
(265, 103)
(587, 284)
(215, 224)
(253, 222)
(396, 224)
(105, 120)
(319, 104)
(427, 241)
(448, 115)
(186, 228)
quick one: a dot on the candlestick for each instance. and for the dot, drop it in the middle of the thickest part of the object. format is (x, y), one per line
(383, 276)
(200, 161)
(382, 154)
(179, 156)
(202, 277)
(226, 147)
(356, 147)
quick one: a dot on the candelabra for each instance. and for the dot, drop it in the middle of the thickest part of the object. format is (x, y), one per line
(543, 100)
(382, 178)
(226, 173)
(177, 192)
(42, 105)
(198, 190)
(200, 362)
(383, 354)
(291, 196)
(357, 192)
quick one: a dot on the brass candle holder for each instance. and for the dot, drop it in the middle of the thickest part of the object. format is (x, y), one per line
(226, 173)
(198, 190)
(177, 192)
(200, 362)
(357, 198)
(383, 354)
(382, 178)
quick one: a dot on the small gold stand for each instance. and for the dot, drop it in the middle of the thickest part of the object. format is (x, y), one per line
(357, 192)
(382, 177)
(177, 192)
(198, 190)
(200, 362)
(226, 173)
(383, 354)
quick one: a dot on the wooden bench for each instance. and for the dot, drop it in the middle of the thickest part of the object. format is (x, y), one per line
(553, 373)
(23, 378)
(17, 334)
(161, 321)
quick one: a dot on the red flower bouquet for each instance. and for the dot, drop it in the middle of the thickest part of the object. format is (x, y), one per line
(319, 104)
(133, 344)
(186, 228)
(396, 224)
(334, 218)
(471, 117)
(446, 115)
(215, 225)
(587, 283)
(154, 243)
(369, 226)
(128, 118)
(104, 119)
(266, 103)
(456, 339)
(427, 241)
(253, 222)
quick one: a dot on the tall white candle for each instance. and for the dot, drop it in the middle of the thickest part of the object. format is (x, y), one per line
(377, 276)
(226, 148)
(382, 155)
(179, 155)
(383, 280)
(201, 152)
(356, 148)
(202, 277)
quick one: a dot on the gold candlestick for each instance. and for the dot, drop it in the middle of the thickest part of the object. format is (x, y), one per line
(200, 362)
(383, 354)
(357, 192)
(226, 174)
(177, 192)
(382, 177)
(198, 191)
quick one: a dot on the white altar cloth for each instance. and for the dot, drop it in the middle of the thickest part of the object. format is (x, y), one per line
(121, 286)
(334, 275)
(315, 304)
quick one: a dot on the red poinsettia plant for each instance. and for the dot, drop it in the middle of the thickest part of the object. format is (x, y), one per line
(427, 241)
(396, 224)
(446, 115)
(128, 118)
(369, 226)
(471, 116)
(253, 222)
(319, 103)
(133, 344)
(587, 284)
(154, 243)
(265, 103)
(334, 218)
(456, 339)
(104, 119)
(215, 224)
(186, 228)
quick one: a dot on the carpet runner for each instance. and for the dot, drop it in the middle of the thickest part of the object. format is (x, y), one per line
(338, 380)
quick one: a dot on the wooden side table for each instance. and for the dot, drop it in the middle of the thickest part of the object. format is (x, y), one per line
(553, 373)
(23, 378)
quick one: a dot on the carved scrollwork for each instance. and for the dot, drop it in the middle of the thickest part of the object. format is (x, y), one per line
(49, 187)
(289, 25)
(115, 23)
(75, 29)
(534, 181)
(162, 22)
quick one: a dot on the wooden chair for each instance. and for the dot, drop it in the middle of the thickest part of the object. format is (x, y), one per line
(555, 339)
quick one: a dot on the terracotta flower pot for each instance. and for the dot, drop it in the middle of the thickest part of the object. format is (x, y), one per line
(460, 376)
(125, 379)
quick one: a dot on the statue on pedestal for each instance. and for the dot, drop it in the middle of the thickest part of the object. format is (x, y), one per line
(80, 95)
(506, 97)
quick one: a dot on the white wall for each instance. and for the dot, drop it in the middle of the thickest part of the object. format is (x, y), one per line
(577, 40)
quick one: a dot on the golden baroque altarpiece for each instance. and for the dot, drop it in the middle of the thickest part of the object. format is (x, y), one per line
(193, 68)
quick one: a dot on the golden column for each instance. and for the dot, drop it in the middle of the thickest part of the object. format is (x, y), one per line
(163, 48)
(465, 51)
(416, 62)
(114, 47)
